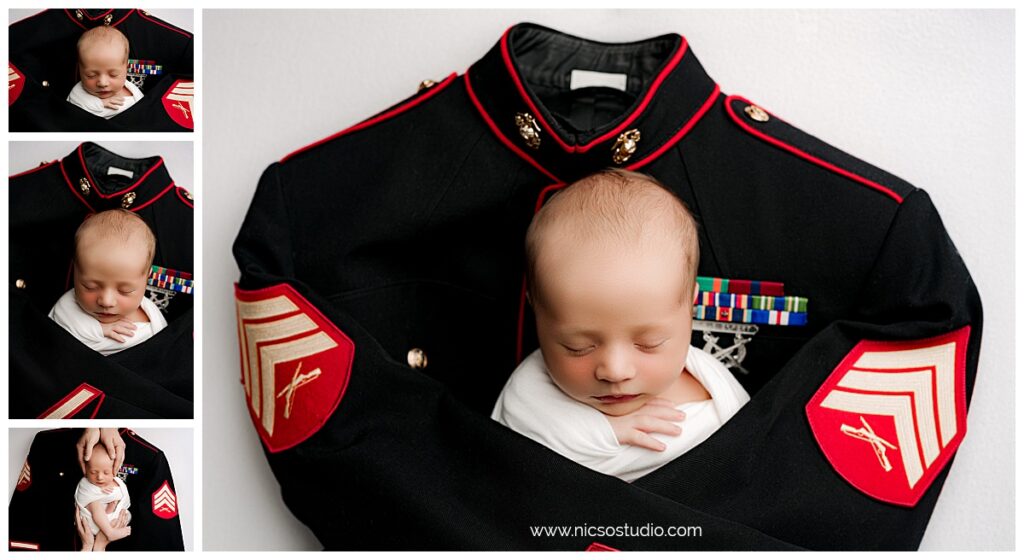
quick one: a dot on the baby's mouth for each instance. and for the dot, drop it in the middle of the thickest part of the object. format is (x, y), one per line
(615, 399)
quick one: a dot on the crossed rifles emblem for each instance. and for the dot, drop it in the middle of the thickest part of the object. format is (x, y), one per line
(866, 433)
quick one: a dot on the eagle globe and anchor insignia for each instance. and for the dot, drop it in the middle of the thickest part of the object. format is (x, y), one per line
(295, 364)
(891, 415)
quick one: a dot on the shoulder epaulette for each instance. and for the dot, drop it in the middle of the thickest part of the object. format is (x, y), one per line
(428, 89)
(769, 128)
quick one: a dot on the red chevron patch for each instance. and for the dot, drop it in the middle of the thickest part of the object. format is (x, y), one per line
(15, 83)
(295, 364)
(892, 414)
(25, 478)
(165, 502)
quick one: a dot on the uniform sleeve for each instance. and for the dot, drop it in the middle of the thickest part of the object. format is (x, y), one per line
(850, 442)
(155, 522)
(263, 247)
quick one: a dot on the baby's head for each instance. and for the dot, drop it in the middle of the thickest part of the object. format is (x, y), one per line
(99, 469)
(113, 254)
(103, 61)
(611, 275)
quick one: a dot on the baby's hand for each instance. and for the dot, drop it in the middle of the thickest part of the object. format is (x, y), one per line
(658, 416)
(119, 329)
(117, 534)
(113, 102)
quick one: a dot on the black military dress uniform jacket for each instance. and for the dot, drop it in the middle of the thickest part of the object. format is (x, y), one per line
(381, 310)
(42, 512)
(43, 67)
(53, 375)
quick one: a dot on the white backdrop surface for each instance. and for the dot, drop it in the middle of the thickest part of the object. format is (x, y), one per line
(176, 443)
(926, 95)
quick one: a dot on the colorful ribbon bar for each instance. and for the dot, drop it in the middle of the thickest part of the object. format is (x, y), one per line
(755, 316)
(745, 301)
(752, 287)
(168, 279)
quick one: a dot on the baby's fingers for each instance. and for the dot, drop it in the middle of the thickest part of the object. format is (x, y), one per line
(121, 329)
(653, 425)
(640, 439)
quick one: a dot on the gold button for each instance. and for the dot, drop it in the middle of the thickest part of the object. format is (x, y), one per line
(417, 358)
(425, 84)
(108, 19)
(45, 83)
(60, 474)
(187, 194)
(78, 14)
(625, 145)
(528, 129)
(84, 186)
(127, 200)
(756, 113)
(20, 284)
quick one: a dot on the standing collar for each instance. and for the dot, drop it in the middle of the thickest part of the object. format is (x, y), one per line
(103, 180)
(572, 106)
(87, 18)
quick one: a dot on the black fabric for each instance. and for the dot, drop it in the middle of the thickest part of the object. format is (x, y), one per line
(43, 50)
(409, 234)
(43, 513)
(47, 205)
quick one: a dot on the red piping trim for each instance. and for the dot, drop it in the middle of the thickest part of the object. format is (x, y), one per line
(120, 21)
(800, 153)
(522, 293)
(72, 187)
(96, 394)
(132, 435)
(154, 199)
(126, 189)
(673, 62)
(162, 24)
(92, 17)
(379, 118)
(508, 143)
(183, 199)
(708, 103)
(33, 170)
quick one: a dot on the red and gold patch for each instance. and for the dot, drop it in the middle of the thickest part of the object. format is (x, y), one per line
(892, 414)
(295, 364)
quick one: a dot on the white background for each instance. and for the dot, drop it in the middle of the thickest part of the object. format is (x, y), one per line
(927, 96)
(176, 443)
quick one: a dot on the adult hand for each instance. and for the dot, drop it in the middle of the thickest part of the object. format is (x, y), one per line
(83, 531)
(111, 440)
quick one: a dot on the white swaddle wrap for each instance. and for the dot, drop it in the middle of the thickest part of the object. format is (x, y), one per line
(534, 406)
(89, 102)
(87, 493)
(87, 329)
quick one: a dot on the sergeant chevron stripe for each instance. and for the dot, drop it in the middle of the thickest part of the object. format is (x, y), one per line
(24, 478)
(907, 397)
(165, 503)
(295, 364)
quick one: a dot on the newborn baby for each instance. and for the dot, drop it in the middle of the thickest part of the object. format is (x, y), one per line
(101, 496)
(107, 309)
(611, 266)
(103, 67)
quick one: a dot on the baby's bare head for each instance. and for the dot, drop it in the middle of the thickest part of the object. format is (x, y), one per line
(614, 211)
(102, 39)
(115, 235)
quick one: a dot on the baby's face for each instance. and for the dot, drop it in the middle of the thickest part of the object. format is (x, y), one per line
(614, 324)
(103, 67)
(100, 469)
(110, 278)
